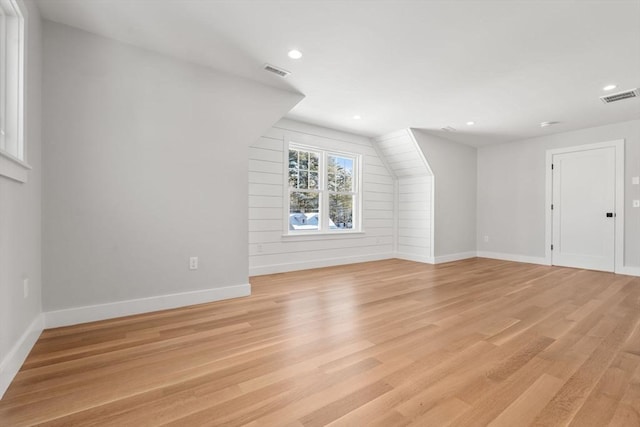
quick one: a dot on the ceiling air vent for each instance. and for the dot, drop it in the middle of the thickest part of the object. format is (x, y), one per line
(276, 70)
(633, 93)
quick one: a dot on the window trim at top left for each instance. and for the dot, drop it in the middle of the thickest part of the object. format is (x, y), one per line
(13, 150)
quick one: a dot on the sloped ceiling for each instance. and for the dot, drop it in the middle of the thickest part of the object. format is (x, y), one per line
(506, 65)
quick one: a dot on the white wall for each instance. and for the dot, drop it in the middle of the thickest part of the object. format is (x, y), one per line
(146, 165)
(511, 191)
(455, 174)
(20, 237)
(414, 201)
(269, 250)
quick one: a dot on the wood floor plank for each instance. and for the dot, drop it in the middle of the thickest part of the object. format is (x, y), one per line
(526, 407)
(386, 343)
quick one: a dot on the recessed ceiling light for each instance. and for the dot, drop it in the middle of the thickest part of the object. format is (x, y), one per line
(471, 123)
(356, 117)
(295, 54)
(609, 87)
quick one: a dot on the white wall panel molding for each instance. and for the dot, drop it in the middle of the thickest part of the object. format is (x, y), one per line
(91, 313)
(513, 257)
(11, 363)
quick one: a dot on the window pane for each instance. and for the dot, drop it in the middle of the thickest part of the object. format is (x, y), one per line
(303, 181)
(313, 180)
(293, 178)
(303, 169)
(3, 67)
(293, 168)
(340, 173)
(340, 211)
(11, 51)
(314, 160)
(304, 210)
(304, 160)
(331, 176)
(293, 159)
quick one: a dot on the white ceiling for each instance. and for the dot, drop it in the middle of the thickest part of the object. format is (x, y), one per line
(507, 65)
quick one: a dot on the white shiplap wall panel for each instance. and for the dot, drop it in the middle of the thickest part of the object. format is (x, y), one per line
(413, 197)
(378, 214)
(378, 170)
(270, 144)
(378, 179)
(420, 232)
(380, 223)
(265, 236)
(258, 225)
(265, 213)
(320, 258)
(270, 249)
(402, 159)
(413, 205)
(386, 205)
(414, 242)
(414, 202)
(410, 224)
(374, 160)
(306, 247)
(265, 155)
(375, 187)
(265, 178)
(265, 202)
(375, 196)
(265, 190)
(266, 167)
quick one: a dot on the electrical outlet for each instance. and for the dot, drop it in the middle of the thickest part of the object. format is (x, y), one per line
(193, 263)
(25, 287)
(486, 238)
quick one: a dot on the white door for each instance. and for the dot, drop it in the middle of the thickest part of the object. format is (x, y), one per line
(583, 219)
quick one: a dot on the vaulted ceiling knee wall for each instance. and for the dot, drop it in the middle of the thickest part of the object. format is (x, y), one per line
(414, 201)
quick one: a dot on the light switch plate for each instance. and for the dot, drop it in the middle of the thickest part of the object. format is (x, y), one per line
(636, 203)
(635, 180)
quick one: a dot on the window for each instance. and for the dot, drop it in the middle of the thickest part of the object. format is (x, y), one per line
(323, 191)
(11, 84)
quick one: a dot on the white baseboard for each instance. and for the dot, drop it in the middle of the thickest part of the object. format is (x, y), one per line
(513, 257)
(10, 365)
(414, 257)
(317, 263)
(91, 313)
(454, 257)
(629, 271)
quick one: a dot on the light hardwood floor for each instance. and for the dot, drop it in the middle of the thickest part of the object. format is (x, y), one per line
(387, 343)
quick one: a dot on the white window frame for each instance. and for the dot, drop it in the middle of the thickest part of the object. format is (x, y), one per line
(13, 161)
(324, 191)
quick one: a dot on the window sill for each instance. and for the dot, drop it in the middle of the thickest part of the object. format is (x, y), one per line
(13, 168)
(324, 235)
